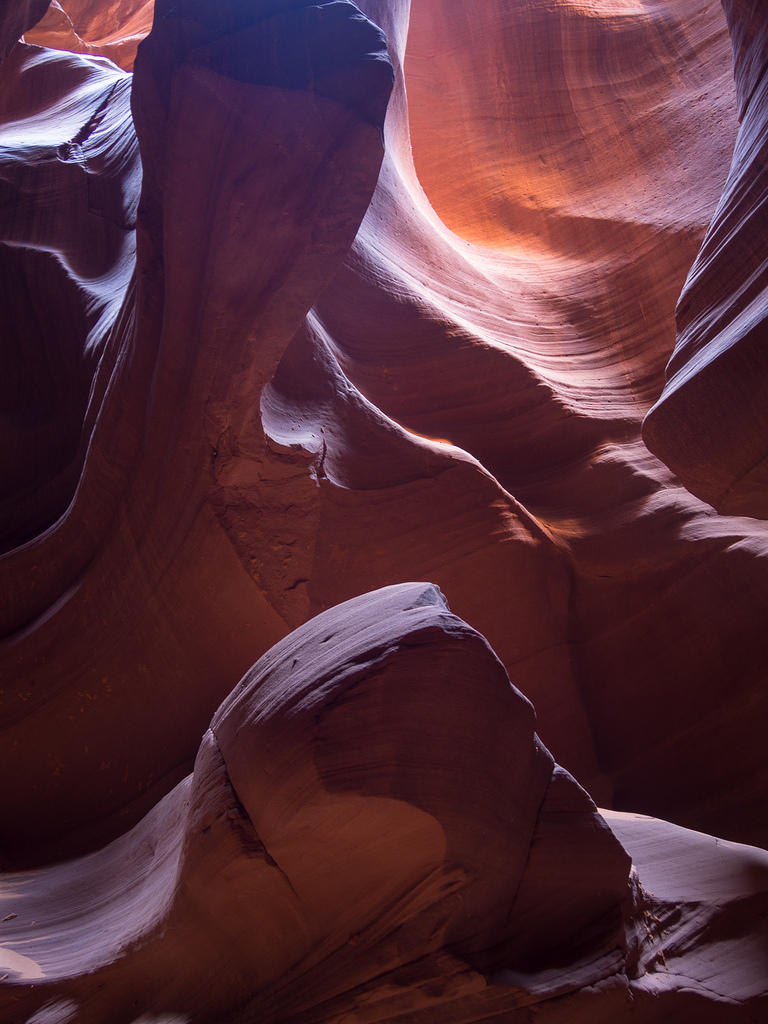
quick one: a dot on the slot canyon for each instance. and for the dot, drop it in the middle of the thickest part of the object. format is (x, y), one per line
(384, 512)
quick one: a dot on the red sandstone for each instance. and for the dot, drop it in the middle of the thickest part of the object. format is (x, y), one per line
(298, 308)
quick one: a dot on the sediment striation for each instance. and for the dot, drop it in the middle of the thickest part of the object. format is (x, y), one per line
(305, 301)
(374, 832)
(709, 424)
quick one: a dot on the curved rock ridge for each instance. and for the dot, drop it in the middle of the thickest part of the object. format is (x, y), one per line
(373, 832)
(710, 424)
(284, 382)
(125, 576)
(281, 332)
(588, 614)
(69, 158)
(111, 29)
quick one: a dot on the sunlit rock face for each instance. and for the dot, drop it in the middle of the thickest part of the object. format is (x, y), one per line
(112, 28)
(631, 586)
(321, 299)
(710, 424)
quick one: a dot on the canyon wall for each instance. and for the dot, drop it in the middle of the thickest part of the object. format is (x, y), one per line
(303, 301)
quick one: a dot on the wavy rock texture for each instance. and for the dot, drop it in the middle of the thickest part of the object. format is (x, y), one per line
(166, 348)
(212, 526)
(112, 29)
(601, 583)
(344, 852)
(710, 424)
(263, 355)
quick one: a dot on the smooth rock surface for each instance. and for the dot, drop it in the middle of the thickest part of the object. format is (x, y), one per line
(374, 832)
(562, 320)
(344, 820)
(222, 463)
(177, 335)
(112, 28)
(292, 314)
(710, 424)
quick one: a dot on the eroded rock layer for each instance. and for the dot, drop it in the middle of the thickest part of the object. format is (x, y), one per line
(281, 332)
(710, 424)
(256, 482)
(373, 832)
(112, 29)
(170, 353)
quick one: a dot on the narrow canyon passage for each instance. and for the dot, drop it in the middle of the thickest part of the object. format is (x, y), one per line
(305, 302)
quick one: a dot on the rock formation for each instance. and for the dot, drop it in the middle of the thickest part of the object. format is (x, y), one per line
(373, 832)
(317, 300)
(709, 425)
(112, 29)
